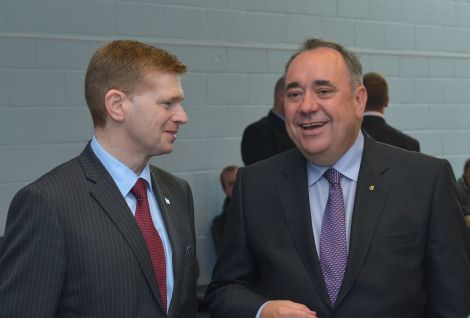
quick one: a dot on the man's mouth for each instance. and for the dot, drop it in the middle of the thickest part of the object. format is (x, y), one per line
(313, 125)
(173, 132)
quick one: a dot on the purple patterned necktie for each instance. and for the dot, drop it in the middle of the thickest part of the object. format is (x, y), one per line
(333, 249)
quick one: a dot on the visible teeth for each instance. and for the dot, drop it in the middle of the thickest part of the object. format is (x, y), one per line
(310, 125)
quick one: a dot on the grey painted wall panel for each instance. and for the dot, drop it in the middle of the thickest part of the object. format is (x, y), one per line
(235, 49)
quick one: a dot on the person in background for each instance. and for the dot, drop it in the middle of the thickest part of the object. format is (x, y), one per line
(106, 234)
(268, 136)
(463, 187)
(374, 121)
(228, 176)
(341, 226)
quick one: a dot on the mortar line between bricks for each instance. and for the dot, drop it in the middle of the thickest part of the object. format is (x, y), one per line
(225, 44)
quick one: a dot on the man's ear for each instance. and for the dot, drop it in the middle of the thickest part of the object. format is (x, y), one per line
(114, 103)
(360, 100)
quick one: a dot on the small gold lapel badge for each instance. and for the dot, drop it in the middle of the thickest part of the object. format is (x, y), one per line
(167, 201)
(372, 187)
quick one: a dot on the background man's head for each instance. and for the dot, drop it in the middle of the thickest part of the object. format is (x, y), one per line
(228, 176)
(466, 171)
(377, 91)
(278, 106)
(123, 65)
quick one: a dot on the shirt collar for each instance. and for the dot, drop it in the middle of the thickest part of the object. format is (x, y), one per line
(122, 175)
(374, 113)
(348, 165)
(278, 115)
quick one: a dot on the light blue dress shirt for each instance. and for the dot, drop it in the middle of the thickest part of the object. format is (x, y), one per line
(125, 179)
(348, 165)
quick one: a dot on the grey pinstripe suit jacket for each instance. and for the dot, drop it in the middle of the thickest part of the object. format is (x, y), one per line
(73, 249)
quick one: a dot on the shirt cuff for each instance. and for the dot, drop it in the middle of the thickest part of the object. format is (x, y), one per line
(258, 314)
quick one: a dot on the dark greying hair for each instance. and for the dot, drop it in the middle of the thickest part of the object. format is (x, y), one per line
(351, 60)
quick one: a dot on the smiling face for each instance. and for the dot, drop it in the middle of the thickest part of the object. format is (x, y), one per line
(323, 108)
(154, 115)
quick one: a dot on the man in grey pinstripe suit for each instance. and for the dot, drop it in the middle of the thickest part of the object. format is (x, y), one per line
(72, 246)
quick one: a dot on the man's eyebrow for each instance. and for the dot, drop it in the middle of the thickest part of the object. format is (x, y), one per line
(322, 83)
(172, 99)
(292, 85)
(315, 83)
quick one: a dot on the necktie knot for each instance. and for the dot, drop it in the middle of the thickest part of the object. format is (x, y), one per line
(333, 176)
(139, 190)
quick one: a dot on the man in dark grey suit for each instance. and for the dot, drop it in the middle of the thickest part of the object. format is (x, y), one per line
(343, 226)
(72, 245)
(268, 136)
(374, 121)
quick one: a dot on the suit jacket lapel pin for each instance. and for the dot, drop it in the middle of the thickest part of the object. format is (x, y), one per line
(167, 201)
(189, 249)
(372, 187)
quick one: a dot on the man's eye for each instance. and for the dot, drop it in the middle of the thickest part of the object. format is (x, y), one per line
(294, 95)
(166, 104)
(324, 91)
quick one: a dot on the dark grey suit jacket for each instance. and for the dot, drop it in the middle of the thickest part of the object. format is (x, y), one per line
(72, 247)
(378, 129)
(265, 138)
(407, 244)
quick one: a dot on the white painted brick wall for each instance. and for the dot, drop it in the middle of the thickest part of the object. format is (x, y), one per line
(78, 16)
(235, 49)
(138, 19)
(428, 38)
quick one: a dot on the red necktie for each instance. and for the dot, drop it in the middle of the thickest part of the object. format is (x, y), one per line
(153, 240)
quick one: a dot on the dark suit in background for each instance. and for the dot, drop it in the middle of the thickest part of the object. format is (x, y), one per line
(228, 176)
(374, 121)
(218, 226)
(72, 246)
(265, 138)
(378, 129)
(73, 249)
(268, 136)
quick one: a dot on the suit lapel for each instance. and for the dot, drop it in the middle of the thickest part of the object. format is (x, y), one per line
(293, 191)
(371, 195)
(106, 193)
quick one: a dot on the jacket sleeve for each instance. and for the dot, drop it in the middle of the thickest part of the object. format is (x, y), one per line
(32, 259)
(447, 264)
(229, 294)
